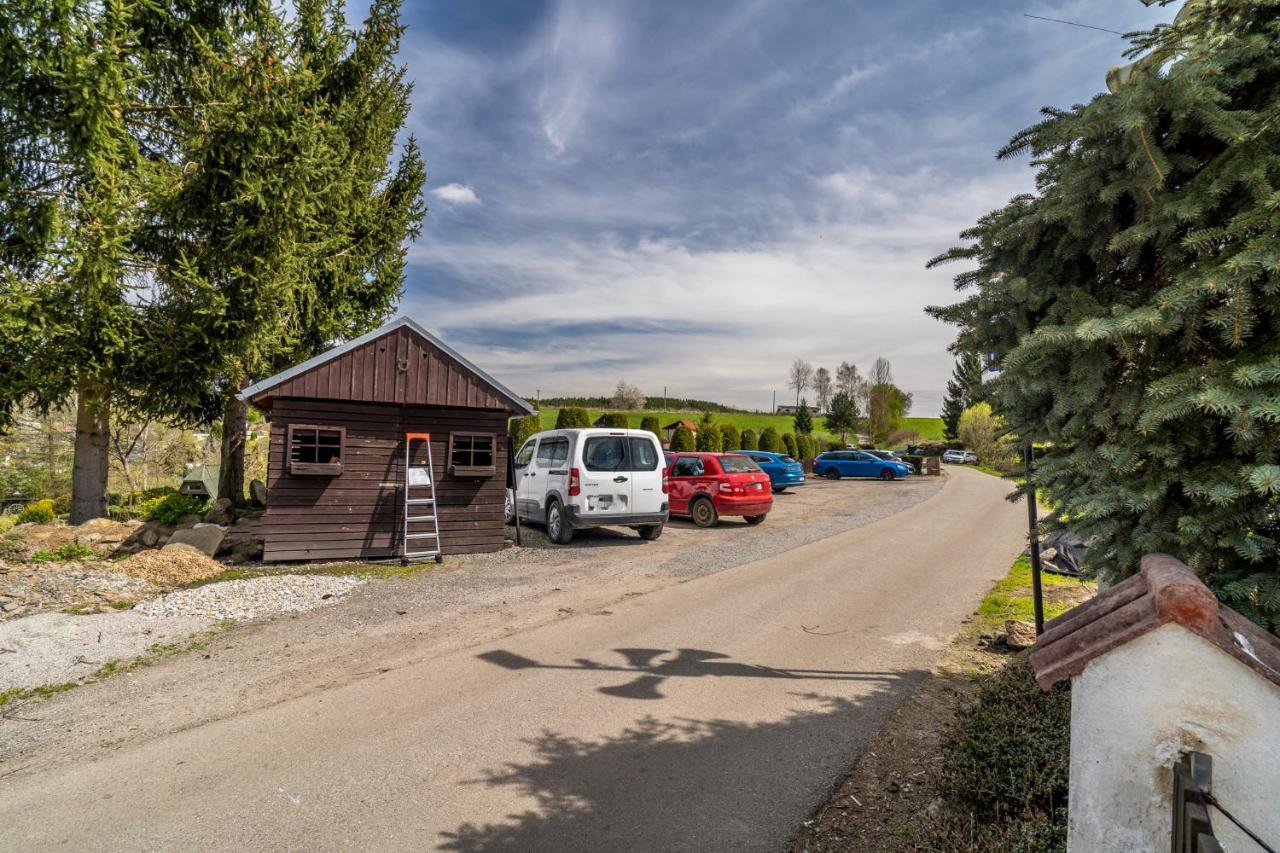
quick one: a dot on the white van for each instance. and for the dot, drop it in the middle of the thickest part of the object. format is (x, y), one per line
(570, 479)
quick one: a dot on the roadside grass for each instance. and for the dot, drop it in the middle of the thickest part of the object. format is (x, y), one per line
(373, 571)
(153, 655)
(1011, 598)
(929, 429)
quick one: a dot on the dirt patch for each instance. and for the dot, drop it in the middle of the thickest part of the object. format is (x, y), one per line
(171, 566)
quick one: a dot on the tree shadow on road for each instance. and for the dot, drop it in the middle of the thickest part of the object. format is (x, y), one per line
(651, 671)
(684, 784)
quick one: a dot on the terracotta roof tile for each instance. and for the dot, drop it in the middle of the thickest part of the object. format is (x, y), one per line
(1164, 591)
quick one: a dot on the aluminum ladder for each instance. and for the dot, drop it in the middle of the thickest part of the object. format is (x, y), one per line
(418, 479)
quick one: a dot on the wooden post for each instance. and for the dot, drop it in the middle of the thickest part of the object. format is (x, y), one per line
(1033, 537)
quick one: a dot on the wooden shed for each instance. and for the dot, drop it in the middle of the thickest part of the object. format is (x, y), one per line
(336, 477)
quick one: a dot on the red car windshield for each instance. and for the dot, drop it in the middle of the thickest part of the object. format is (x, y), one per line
(737, 465)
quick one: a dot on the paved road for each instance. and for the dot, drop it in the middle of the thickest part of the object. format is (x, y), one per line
(713, 715)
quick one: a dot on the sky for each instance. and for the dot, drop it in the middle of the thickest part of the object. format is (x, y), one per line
(691, 195)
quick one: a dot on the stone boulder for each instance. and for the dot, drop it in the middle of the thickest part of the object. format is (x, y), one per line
(205, 538)
(221, 512)
(1018, 634)
(245, 551)
(257, 493)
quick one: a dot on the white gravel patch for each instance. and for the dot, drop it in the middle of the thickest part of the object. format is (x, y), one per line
(54, 648)
(250, 598)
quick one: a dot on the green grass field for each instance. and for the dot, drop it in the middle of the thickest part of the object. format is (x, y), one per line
(928, 428)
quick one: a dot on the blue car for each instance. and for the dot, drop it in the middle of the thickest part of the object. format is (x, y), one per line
(784, 472)
(835, 464)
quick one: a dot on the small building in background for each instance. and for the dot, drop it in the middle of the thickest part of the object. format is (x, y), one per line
(337, 467)
(670, 429)
(1164, 679)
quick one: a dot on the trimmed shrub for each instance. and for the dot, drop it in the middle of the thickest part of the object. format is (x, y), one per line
(832, 444)
(521, 428)
(748, 440)
(804, 447)
(730, 438)
(37, 512)
(121, 513)
(682, 439)
(770, 441)
(1004, 767)
(652, 424)
(617, 420)
(62, 504)
(169, 508)
(573, 418)
(709, 439)
(789, 442)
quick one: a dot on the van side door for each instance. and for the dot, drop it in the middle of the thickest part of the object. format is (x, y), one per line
(551, 469)
(525, 485)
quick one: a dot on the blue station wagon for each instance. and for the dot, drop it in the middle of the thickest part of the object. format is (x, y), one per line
(835, 464)
(784, 472)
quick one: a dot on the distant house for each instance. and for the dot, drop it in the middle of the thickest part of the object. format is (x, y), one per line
(670, 429)
(791, 410)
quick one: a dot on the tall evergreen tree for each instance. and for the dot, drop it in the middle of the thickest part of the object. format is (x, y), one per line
(803, 420)
(89, 97)
(964, 390)
(294, 209)
(843, 417)
(1131, 305)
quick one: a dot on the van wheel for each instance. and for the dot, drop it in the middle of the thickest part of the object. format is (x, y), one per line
(558, 528)
(887, 474)
(832, 473)
(755, 519)
(650, 532)
(703, 513)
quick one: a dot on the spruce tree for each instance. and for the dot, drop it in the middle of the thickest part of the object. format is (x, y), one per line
(803, 420)
(964, 390)
(843, 417)
(1130, 305)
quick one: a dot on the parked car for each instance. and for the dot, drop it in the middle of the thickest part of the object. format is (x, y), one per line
(705, 486)
(960, 457)
(892, 456)
(835, 464)
(572, 479)
(784, 472)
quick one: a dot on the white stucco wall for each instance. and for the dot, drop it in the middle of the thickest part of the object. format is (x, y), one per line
(1136, 709)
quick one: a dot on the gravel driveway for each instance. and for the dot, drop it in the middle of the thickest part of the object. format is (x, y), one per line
(381, 625)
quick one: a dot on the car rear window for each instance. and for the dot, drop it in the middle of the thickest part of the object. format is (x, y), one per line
(788, 460)
(644, 454)
(737, 465)
(604, 453)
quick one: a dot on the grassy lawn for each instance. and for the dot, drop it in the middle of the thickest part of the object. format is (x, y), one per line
(928, 428)
(1011, 597)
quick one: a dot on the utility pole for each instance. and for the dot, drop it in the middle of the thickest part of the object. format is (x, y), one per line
(1033, 537)
(774, 410)
(664, 398)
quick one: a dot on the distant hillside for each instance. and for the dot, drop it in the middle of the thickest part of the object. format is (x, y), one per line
(657, 404)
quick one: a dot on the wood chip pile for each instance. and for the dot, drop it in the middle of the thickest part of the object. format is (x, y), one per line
(171, 566)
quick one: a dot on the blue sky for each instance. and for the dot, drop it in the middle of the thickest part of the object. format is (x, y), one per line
(693, 194)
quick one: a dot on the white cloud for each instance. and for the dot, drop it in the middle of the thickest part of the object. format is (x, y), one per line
(456, 193)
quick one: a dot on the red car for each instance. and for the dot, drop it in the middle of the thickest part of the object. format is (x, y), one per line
(705, 486)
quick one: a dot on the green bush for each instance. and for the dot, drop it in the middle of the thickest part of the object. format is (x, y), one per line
(789, 442)
(122, 513)
(61, 504)
(832, 444)
(37, 512)
(770, 441)
(169, 508)
(155, 492)
(652, 424)
(521, 428)
(7, 522)
(1004, 767)
(709, 439)
(63, 553)
(682, 439)
(730, 438)
(573, 418)
(748, 440)
(916, 460)
(804, 447)
(616, 420)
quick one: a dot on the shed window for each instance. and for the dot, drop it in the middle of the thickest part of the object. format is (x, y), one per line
(471, 454)
(316, 450)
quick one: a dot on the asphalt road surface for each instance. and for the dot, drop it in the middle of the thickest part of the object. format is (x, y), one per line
(711, 715)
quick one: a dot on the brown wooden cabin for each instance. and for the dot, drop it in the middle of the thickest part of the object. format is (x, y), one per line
(336, 470)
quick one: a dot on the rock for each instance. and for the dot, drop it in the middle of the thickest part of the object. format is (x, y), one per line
(1018, 634)
(204, 537)
(150, 537)
(190, 519)
(245, 551)
(222, 512)
(258, 493)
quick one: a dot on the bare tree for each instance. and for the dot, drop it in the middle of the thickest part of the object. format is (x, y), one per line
(881, 372)
(627, 396)
(801, 377)
(822, 388)
(847, 378)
